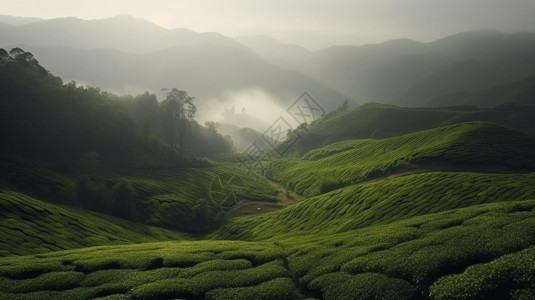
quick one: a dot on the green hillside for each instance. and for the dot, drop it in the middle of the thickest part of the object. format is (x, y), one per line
(383, 201)
(379, 202)
(415, 258)
(474, 145)
(441, 232)
(29, 226)
(187, 199)
(374, 120)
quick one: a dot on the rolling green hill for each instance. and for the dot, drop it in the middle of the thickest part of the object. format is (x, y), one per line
(378, 202)
(472, 146)
(188, 199)
(416, 258)
(374, 120)
(30, 226)
(434, 235)
(383, 201)
(406, 217)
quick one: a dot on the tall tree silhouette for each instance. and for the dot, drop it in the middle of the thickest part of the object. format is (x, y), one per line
(180, 111)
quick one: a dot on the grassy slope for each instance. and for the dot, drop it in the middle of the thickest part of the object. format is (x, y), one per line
(176, 198)
(171, 196)
(345, 163)
(383, 201)
(400, 260)
(420, 235)
(29, 226)
(380, 121)
(167, 198)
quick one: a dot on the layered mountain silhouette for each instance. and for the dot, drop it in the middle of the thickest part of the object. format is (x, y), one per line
(128, 55)
(410, 73)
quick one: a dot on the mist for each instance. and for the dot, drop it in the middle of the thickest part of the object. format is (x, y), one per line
(276, 150)
(254, 102)
(312, 24)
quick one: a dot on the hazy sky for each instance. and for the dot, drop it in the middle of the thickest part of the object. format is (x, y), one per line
(310, 23)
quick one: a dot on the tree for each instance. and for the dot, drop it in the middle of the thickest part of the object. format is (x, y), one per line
(211, 125)
(180, 111)
(344, 107)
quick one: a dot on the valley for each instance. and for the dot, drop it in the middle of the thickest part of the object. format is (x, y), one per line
(141, 164)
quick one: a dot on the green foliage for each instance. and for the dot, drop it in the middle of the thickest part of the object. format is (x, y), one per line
(31, 226)
(157, 119)
(176, 198)
(435, 234)
(279, 288)
(45, 120)
(383, 201)
(148, 271)
(206, 281)
(508, 276)
(89, 162)
(375, 120)
(480, 250)
(362, 286)
(469, 146)
(179, 110)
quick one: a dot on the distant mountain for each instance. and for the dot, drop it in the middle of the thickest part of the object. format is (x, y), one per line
(242, 120)
(128, 56)
(284, 55)
(205, 72)
(521, 92)
(122, 32)
(17, 21)
(410, 73)
(243, 137)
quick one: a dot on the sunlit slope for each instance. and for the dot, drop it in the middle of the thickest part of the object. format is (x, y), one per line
(384, 201)
(374, 120)
(473, 146)
(401, 260)
(29, 226)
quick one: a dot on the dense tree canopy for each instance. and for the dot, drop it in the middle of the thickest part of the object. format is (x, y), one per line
(43, 119)
(172, 120)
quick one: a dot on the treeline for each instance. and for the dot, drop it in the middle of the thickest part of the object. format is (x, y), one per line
(172, 120)
(45, 120)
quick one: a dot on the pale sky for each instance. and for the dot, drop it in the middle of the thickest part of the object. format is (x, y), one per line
(313, 24)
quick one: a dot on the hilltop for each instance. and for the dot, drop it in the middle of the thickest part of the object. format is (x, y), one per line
(465, 146)
(374, 120)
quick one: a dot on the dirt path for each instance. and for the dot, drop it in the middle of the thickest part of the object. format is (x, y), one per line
(285, 197)
(253, 208)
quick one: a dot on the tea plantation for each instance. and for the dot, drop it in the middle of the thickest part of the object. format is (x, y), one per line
(472, 146)
(32, 226)
(418, 257)
(445, 213)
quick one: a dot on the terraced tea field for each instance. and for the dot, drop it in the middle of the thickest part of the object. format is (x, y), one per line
(435, 234)
(401, 260)
(30, 226)
(383, 201)
(375, 120)
(464, 146)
